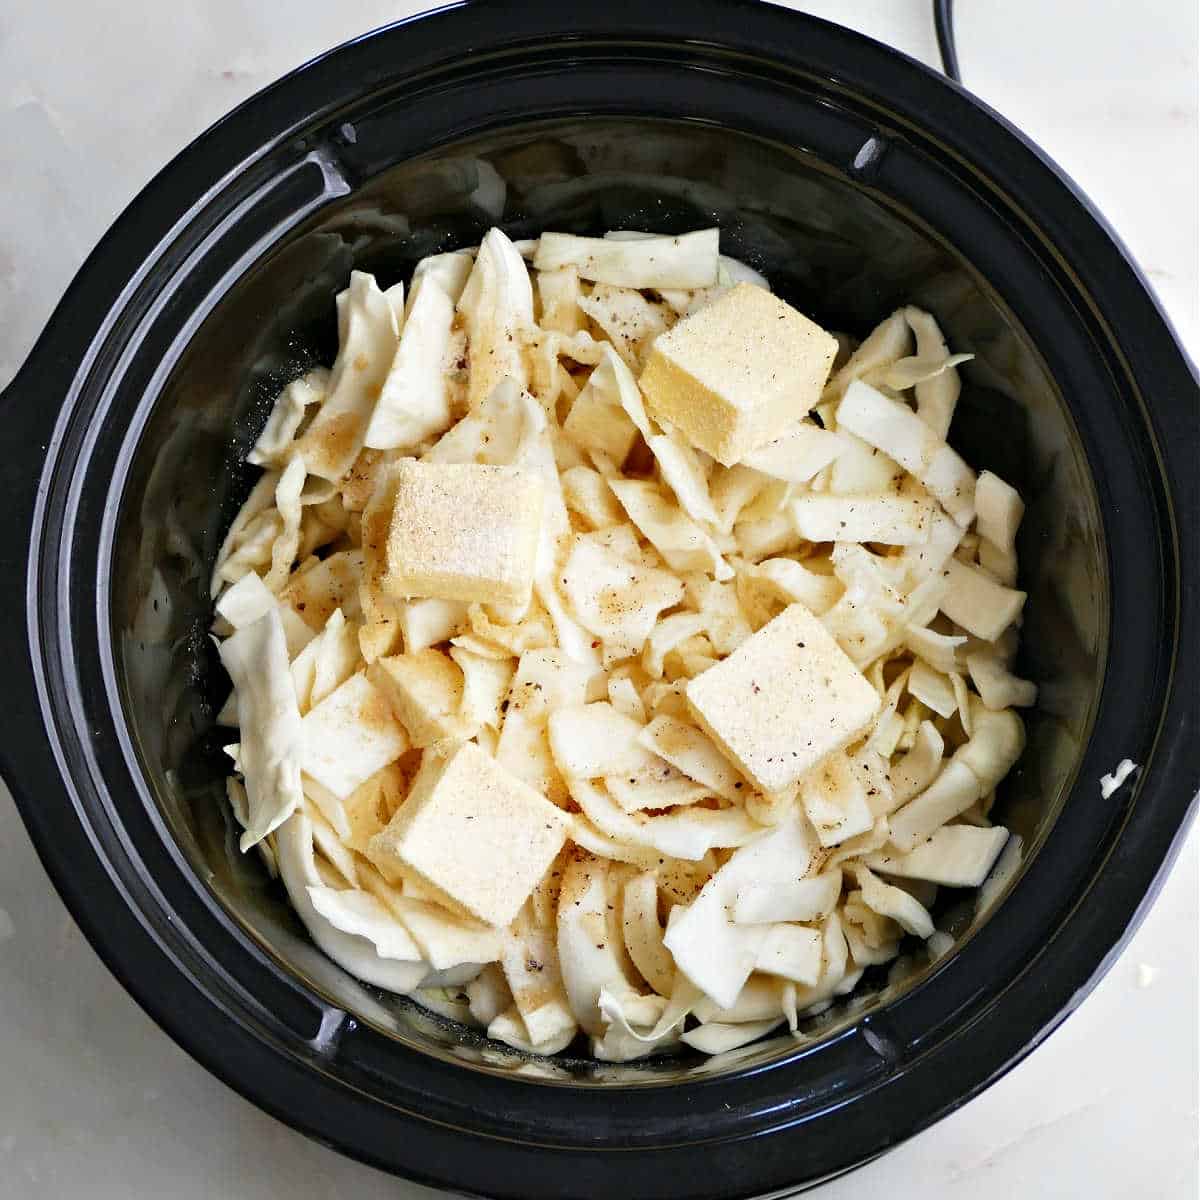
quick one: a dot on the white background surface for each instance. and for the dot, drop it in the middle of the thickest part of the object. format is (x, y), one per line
(94, 1099)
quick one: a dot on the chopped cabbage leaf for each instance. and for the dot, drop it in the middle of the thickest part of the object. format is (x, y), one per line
(644, 934)
(590, 941)
(710, 949)
(687, 261)
(415, 401)
(809, 898)
(797, 454)
(271, 727)
(683, 543)
(275, 443)
(612, 598)
(368, 338)
(953, 856)
(497, 308)
(353, 952)
(688, 834)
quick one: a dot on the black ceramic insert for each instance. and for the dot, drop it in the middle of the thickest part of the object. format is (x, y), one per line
(856, 180)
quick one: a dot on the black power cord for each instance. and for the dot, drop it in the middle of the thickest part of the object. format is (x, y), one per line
(943, 23)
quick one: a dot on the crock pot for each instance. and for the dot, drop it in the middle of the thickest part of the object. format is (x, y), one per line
(856, 180)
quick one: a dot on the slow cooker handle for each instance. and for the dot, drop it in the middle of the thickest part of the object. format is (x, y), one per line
(29, 408)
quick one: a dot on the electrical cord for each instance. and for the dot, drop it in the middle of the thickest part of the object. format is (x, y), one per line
(943, 23)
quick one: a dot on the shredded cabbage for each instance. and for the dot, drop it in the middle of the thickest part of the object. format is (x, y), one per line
(687, 910)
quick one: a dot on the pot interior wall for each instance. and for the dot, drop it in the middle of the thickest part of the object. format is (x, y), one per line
(842, 255)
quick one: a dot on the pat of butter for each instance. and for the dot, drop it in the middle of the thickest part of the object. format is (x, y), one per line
(736, 374)
(783, 700)
(463, 531)
(475, 831)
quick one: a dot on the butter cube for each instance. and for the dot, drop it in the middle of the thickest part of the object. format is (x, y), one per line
(474, 831)
(734, 375)
(425, 691)
(463, 531)
(783, 700)
(350, 735)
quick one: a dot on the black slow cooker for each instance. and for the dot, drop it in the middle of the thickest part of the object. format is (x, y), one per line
(855, 179)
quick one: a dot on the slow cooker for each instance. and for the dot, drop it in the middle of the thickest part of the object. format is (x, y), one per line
(856, 180)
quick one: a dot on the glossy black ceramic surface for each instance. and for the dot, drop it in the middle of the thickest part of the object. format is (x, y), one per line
(856, 180)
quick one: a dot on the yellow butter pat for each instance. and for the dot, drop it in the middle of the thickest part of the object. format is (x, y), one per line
(737, 373)
(783, 700)
(476, 831)
(463, 531)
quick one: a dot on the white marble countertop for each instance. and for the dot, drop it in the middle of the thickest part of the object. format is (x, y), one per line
(94, 1099)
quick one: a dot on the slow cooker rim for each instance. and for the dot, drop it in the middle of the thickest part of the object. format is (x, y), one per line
(294, 77)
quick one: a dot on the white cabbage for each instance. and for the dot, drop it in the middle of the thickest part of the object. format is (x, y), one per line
(894, 428)
(590, 941)
(415, 401)
(592, 740)
(613, 599)
(361, 914)
(683, 893)
(937, 394)
(999, 509)
(933, 688)
(953, 856)
(937, 649)
(598, 421)
(694, 753)
(716, 954)
(890, 901)
(530, 963)
(270, 723)
(918, 768)
(326, 662)
(996, 685)
(683, 470)
(368, 338)
(952, 792)
(731, 490)
(644, 934)
(350, 735)
(714, 1038)
(446, 939)
(497, 308)
(792, 952)
(276, 440)
(625, 1011)
(797, 454)
(668, 634)
(888, 341)
(352, 951)
(559, 293)
(891, 520)
(626, 317)
(809, 898)
(623, 696)
(688, 834)
(488, 994)
(687, 261)
(449, 271)
(330, 836)
(977, 603)
(680, 540)
(834, 796)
